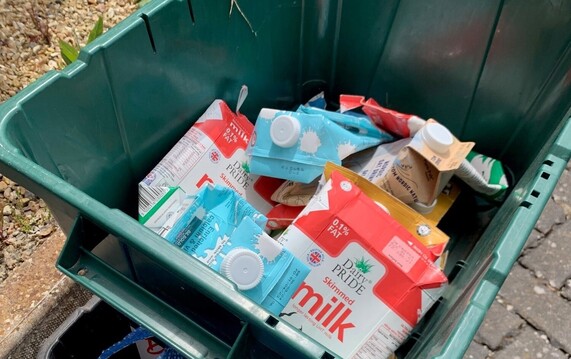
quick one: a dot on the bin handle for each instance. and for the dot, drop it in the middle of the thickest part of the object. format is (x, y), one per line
(163, 320)
(170, 325)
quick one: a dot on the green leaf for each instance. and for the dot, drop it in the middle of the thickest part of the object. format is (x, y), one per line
(68, 52)
(96, 31)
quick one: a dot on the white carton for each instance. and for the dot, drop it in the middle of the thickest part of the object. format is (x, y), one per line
(212, 151)
(370, 282)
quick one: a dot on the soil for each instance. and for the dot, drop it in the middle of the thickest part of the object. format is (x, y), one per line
(30, 31)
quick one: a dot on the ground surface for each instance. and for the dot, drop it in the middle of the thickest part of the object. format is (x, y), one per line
(29, 35)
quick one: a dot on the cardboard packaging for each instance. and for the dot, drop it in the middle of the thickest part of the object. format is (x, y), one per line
(370, 282)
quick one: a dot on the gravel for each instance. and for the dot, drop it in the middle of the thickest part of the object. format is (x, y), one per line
(29, 35)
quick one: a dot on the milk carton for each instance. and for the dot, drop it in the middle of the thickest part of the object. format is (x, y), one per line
(211, 152)
(214, 212)
(400, 124)
(224, 232)
(297, 145)
(415, 169)
(370, 282)
(484, 175)
(353, 122)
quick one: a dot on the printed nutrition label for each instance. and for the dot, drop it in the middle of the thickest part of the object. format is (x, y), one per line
(183, 157)
(401, 254)
(383, 341)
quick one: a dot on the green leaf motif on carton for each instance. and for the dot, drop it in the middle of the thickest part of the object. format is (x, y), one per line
(363, 265)
(246, 167)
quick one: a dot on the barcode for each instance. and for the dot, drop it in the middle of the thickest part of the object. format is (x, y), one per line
(149, 196)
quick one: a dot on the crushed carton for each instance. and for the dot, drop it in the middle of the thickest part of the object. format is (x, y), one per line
(484, 175)
(211, 152)
(370, 282)
(415, 169)
(421, 227)
(400, 124)
(296, 145)
(224, 232)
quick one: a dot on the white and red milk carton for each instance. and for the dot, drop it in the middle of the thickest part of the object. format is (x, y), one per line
(212, 151)
(370, 282)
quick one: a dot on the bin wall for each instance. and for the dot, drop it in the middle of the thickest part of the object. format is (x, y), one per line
(495, 72)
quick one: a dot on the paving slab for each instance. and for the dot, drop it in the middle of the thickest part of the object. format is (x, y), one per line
(551, 257)
(552, 215)
(539, 305)
(476, 351)
(534, 239)
(530, 344)
(562, 192)
(566, 291)
(499, 325)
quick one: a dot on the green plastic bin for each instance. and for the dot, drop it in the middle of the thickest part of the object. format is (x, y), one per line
(496, 72)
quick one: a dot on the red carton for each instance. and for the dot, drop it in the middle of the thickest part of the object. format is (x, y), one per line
(213, 151)
(370, 282)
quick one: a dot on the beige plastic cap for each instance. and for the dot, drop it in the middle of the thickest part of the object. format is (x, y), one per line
(243, 267)
(437, 137)
(285, 131)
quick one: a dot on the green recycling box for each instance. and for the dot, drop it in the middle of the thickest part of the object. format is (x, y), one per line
(496, 72)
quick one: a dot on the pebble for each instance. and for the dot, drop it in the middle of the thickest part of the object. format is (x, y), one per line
(45, 231)
(538, 290)
(24, 57)
(7, 210)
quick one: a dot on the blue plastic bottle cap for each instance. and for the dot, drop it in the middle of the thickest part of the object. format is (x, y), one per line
(437, 137)
(243, 267)
(285, 131)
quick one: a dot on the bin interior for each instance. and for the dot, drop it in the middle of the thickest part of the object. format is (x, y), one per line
(492, 71)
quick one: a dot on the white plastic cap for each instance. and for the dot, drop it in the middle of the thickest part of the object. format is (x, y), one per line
(243, 267)
(285, 130)
(437, 137)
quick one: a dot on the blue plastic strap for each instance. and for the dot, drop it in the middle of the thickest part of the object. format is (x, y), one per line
(170, 353)
(132, 338)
